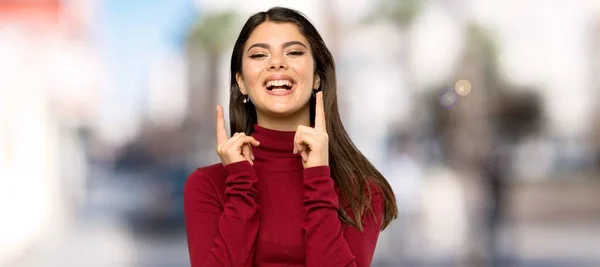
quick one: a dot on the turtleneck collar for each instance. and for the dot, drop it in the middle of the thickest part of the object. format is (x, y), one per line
(276, 149)
(274, 143)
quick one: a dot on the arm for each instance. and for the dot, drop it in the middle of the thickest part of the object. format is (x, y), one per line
(217, 235)
(328, 243)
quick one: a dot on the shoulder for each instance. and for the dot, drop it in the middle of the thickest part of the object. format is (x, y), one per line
(374, 194)
(374, 189)
(375, 199)
(205, 178)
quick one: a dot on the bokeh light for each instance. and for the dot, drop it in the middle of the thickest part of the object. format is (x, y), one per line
(448, 98)
(462, 87)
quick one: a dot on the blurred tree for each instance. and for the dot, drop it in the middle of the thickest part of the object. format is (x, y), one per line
(333, 31)
(467, 120)
(402, 14)
(477, 121)
(332, 25)
(210, 37)
(595, 69)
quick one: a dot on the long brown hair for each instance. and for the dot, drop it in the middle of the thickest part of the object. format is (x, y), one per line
(350, 169)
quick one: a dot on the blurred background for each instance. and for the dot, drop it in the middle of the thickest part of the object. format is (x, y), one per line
(482, 114)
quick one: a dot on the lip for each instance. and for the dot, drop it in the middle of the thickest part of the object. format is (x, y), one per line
(281, 93)
(279, 77)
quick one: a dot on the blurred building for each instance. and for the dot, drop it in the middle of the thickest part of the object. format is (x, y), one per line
(47, 86)
(144, 80)
(595, 77)
(28, 170)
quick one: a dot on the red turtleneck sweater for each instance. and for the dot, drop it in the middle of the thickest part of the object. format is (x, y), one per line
(275, 213)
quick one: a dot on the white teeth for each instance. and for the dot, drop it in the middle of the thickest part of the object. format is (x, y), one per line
(279, 83)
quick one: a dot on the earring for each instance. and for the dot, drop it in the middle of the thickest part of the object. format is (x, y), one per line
(315, 91)
(245, 99)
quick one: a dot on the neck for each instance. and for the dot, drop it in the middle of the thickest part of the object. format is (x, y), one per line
(284, 123)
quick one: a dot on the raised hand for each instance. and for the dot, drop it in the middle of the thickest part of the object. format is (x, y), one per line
(313, 143)
(235, 149)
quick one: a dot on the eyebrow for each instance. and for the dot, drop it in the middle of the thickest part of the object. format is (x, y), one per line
(286, 44)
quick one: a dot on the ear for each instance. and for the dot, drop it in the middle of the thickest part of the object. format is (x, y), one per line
(317, 82)
(240, 82)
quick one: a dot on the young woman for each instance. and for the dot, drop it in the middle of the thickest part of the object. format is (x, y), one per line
(291, 188)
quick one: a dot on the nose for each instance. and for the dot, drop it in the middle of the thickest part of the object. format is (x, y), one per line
(277, 63)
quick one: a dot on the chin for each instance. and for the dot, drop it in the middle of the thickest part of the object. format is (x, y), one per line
(281, 110)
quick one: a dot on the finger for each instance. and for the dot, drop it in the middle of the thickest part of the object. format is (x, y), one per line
(298, 142)
(246, 153)
(302, 143)
(306, 136)
(309, 142)
(250, 140)
(243, 139)
(320, 113)
(253, 141)
(221, 132)
(251, 154)
(226, 144)
(235, 137)
(304, 155)
(299, 148)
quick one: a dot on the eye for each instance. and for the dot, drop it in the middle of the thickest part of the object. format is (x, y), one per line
(296, 53)
(256, 56)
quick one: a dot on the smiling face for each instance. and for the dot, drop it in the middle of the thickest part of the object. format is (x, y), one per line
(278, 71)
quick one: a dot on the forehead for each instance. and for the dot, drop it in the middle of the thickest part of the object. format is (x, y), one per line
(275, 34)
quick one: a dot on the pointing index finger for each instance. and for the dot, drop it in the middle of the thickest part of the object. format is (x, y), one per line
(221, 132)
(320, 113)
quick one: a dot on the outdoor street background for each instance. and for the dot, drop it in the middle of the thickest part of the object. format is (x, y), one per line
(482, 114)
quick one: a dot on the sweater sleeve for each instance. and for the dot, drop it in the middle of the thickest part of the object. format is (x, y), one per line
(328, 243)
(222, 235)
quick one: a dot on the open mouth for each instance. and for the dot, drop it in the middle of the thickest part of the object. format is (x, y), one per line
(279, 85)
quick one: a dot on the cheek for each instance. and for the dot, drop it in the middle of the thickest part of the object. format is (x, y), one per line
(251, 74)
(305, 70)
